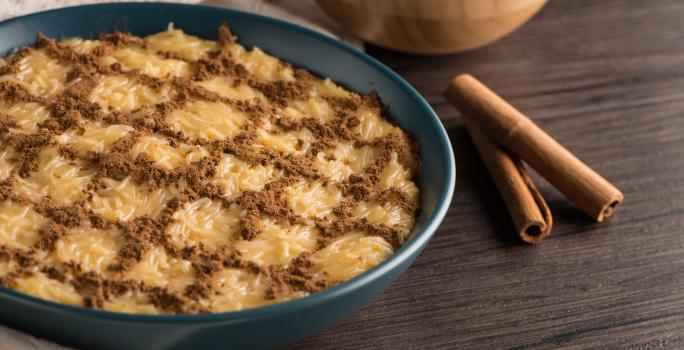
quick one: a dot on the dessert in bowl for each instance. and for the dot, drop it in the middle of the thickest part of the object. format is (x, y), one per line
(180, 175)
(172, 174)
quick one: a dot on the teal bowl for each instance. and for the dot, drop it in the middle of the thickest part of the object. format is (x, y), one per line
(262, 327)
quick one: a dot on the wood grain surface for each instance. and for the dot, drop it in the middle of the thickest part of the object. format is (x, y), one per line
(606, 79)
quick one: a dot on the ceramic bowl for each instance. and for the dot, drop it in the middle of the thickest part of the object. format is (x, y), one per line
(261, 327)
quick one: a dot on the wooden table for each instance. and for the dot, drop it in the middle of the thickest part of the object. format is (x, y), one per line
(606, 79)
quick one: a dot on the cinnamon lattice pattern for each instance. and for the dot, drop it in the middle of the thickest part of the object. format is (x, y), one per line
(175, 175)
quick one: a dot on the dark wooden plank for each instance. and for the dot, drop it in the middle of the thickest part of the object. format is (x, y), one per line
(606, 78)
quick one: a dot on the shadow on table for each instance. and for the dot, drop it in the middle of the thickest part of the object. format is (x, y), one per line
(475, 188)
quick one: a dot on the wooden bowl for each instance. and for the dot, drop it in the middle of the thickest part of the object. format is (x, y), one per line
(431, 26)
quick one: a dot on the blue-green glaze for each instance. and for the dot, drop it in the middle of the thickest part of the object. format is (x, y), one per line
(267, 326)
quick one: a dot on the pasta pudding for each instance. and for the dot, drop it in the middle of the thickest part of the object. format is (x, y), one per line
(171, 174)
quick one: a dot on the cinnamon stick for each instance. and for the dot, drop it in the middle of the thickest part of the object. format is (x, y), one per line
(529, 212)
(511, 129)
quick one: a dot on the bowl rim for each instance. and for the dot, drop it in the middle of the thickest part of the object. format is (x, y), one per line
(412, 245)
